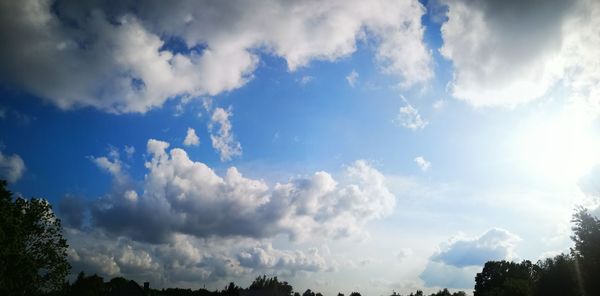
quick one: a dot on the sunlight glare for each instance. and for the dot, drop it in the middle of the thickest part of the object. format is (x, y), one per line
(561, 147)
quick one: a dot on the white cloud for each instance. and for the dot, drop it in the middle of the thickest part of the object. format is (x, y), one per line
(439, 104)
(410, 118)
(403, 253)
(455, 264)
(494, 244)
(129, 150)
(111, 164)
(512, 52)
(191, 139)
(183, 196)
(12, 167)
(423, 164)
(221, 136)
(352, 77)
(114, 58)
(305, 79)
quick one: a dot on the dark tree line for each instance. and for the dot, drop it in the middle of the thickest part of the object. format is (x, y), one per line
(573, 274)
(33, 262)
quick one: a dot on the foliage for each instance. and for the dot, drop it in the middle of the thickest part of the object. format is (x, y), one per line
(270, 287)
(558, 277)
(586, 235)
(503, 278)
(32, 249)
(564, 275)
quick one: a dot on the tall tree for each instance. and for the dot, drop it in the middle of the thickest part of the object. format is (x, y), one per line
(33, 257)
(586, 235)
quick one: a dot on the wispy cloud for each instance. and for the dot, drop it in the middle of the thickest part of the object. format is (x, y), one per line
(221, 135)
(410, 118)
(352, 77)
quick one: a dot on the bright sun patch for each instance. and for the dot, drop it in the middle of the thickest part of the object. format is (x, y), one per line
(561, 147)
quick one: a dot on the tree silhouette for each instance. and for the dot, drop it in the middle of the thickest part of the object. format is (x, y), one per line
(269, 287)
(503, 278)
(586, 235)
(558, 277)
(33, 257)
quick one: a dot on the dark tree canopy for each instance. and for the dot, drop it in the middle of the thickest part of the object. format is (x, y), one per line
(270, 287)
(503, 278)
(574, 274)
(586, 235)
(33, 256)
(558, 277)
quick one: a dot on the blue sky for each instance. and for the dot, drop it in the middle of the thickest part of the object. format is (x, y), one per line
(381, 146)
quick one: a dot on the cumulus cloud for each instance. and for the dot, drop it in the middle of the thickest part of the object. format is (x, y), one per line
(410, 118)
(265, 257)
(186, 260)
(183, 196)
(12, 167)
(423, 164)
(191, 139)
(511, 52)
(455, 263)
(221, 136)
(494, 244)
(116, 57)
(112, 164)
(352, 77)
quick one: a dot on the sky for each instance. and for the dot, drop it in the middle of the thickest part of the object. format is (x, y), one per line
(370, 146)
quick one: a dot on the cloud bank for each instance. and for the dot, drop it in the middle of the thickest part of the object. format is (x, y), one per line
(183, 196)
(185, 223)
(133, 56)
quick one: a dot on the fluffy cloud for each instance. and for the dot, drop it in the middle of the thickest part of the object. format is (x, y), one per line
(116, 57)
(510, 52)
(221, 136)
(455, 263)
(191, 139)
(422, 163)
(112, 164)
(494, 244)
(183, 196)
(264, 257)
(186, 260)
(410, 118)
(12, 167)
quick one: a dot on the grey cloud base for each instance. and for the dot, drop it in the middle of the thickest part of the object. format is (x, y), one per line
(185, 260)
(183, 196)
(456, 262)
(187, 223)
